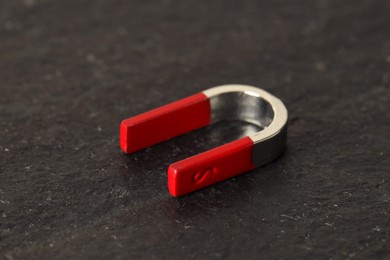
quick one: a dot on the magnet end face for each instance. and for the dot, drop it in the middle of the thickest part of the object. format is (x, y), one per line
(123, 137)
(129, 137)
(172, 181)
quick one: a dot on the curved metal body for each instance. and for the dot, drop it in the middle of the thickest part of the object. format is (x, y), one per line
(255, 106)
(237, 102)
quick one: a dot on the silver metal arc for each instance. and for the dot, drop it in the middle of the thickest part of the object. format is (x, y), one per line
(256, 106)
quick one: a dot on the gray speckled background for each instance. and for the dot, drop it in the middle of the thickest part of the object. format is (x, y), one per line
(71, 70)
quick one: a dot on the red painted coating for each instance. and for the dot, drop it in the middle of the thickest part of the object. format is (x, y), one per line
(165, 122)
(212, 166)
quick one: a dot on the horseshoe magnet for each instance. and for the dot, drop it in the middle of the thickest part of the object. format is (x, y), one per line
(237, 102)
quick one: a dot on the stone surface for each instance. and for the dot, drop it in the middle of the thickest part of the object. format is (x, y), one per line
(72, 69)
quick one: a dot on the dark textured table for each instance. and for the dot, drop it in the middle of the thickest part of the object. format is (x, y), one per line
(71, 70)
